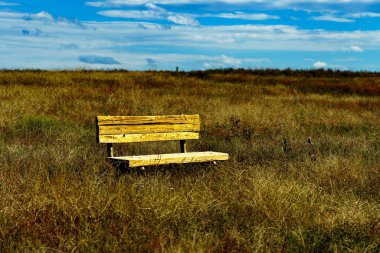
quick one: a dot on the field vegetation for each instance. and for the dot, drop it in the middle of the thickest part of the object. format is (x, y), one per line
(304, 173)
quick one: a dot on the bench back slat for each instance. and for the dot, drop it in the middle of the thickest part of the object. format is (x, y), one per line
(141, 120)
(120, 129)
(149, 128)
(148, 137)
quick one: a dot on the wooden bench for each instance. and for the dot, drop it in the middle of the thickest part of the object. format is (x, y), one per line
(124, 129)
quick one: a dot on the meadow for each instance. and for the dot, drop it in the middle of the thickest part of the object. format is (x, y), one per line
(303, 174)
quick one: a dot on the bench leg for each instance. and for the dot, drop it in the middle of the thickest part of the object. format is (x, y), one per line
(182, 144)
(109, 149)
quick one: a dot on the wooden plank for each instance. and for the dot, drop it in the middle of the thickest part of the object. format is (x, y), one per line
(192, 157)
(148, 137)
(137, 120)
(150, 128)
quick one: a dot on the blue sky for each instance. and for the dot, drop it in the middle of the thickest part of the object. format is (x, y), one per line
(191, 34)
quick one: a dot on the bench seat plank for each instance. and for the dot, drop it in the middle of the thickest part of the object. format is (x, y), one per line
(159, 159)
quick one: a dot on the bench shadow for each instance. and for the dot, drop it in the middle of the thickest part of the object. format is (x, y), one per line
(189, 169)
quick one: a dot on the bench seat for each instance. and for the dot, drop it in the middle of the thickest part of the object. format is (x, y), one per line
(160, 159)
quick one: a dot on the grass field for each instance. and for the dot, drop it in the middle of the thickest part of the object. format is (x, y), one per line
(277, 192)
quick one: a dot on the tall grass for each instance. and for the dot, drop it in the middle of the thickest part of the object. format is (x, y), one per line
(278, 192)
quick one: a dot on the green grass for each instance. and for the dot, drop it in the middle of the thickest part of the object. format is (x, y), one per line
(276, 193)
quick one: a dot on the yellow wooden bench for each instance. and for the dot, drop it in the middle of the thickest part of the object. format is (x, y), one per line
(124, 129)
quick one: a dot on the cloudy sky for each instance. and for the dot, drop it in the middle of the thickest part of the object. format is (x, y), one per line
(190, 34)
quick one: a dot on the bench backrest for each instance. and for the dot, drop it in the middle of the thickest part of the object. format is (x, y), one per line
(121, 129)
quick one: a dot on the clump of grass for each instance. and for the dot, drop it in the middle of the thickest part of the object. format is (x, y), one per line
(38, 125)
(278, 192)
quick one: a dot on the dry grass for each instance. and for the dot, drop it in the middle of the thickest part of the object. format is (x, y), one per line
(277, 193)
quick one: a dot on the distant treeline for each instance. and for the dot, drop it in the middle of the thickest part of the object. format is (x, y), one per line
(306, 81)
(240, 71)
(288, 72)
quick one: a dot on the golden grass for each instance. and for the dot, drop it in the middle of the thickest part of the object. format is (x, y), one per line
(277, 193)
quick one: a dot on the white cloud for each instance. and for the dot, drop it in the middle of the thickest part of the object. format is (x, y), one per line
(132, 14)
(353, 48)
(43, 15)
(245, 16)
(150, 26)
(320, 65)
(153, 13)
(61, 43)
(364, 15)
(279, 3)
(222, 61)
(2, 3)
(11, 15)
(97, 4)
(183, 20)
(346, 59)
(154, 7)
(356, 49)
(230, 60)
(332, 19)
(259, 37)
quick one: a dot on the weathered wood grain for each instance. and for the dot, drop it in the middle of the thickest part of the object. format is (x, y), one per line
(148, 137)
(148, 128)
(192, 157)
(137, 120)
